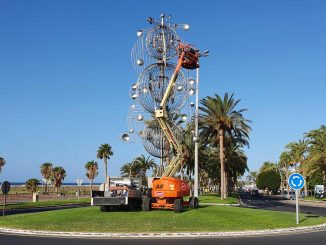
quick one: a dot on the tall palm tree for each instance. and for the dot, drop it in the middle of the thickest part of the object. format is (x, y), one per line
(297, 151)
(284, 163)
(266, 166)
(188, 145)
(46, 172)
(59, 174)
(104, 153)
(235, 163)
(138, 168)
(2, 163)
(219, 122)
(91, 172)
(317, 151)
(32, 185)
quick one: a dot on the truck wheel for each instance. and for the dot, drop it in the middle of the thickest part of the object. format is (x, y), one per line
(104, 208)
(146, 204)
(149, 193)
(131, 205)
(191, 202)
(178, 205)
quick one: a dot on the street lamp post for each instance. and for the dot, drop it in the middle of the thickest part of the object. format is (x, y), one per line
(196, 139)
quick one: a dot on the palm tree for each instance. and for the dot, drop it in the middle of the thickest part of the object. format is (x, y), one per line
(138, 168)
(316, 160)
(59, 173)
(46, 172)
(236, 164)
(219, 122)
(104, 153)
(32, 185)
(266, 166)
(92, 171)
(284, 162)
(2, 163)
(297, 151)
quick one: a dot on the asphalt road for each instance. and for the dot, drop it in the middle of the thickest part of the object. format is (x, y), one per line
(42, 209)
(277, 204)
(315, 238)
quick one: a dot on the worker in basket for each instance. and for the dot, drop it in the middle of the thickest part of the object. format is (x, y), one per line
(190, 60)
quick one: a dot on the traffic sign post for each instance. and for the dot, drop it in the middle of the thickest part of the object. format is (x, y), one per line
(5, 188)
(296, 182)
(79, 183)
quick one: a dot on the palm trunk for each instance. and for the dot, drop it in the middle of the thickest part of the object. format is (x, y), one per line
(225, 184)
(287, 177)
(91, 185)
(106, 171)
(324, 180)
(221, 139)
(305, 188)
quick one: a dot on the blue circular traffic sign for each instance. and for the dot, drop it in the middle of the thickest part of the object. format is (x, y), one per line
(296, 181)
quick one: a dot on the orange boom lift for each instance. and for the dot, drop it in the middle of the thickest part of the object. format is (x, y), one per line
(168, 192)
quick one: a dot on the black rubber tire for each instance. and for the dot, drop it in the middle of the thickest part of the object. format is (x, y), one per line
(104, 208)
(149, 193)
(191, 202)
(131, 204)
(146, 204)
(178, 205)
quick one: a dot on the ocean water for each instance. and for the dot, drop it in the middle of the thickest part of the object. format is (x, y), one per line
(63, 184)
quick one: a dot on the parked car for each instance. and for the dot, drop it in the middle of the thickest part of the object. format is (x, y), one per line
(290, 195)
(254, 193)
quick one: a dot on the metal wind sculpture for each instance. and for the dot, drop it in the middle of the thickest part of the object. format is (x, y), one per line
(161, 93)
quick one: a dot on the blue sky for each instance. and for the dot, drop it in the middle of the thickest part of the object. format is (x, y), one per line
(65, 74)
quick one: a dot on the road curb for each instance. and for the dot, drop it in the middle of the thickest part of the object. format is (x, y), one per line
(219, 204)
(247, 233)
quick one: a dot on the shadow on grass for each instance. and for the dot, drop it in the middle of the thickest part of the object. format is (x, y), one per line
(309, 216)
(128, 210)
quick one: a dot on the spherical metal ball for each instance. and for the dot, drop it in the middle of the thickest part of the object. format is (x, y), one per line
(145, 90)
(139, 33)
(191, 91)
(140, 62)
(134, 96)
(125, 137)
(184, 117)
(192, 81)
(192, 104)
(140, 117)
(179, 88)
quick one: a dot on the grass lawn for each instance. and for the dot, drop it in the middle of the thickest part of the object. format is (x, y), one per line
(208, 218)
(46, 203)
(314, 199)
(216, 198)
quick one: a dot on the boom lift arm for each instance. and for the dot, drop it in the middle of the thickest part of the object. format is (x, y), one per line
(188, 59)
